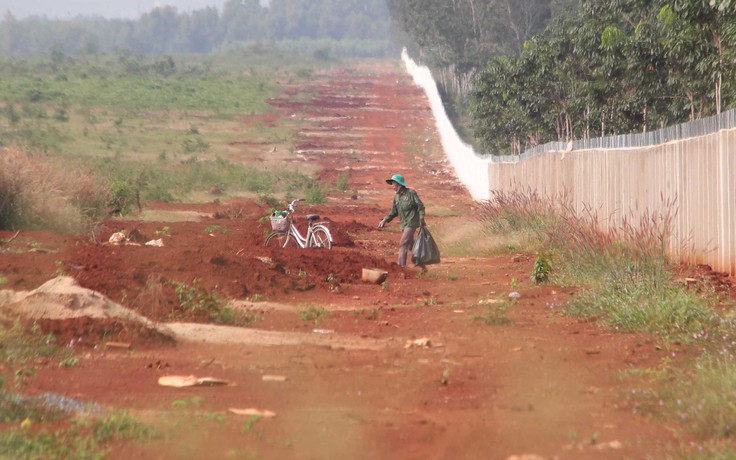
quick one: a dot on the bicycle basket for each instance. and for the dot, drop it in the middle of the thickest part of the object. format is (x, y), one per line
(280, 223)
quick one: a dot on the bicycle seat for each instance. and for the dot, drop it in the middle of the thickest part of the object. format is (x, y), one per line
(312, 216)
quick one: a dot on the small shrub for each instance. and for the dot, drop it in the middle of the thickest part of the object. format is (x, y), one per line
(123, 198)
(342, 181)
(205, 304)
(194, 146)
(315, 194)
(541, 270)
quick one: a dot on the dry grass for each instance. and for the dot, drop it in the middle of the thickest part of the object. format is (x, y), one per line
(38, 192)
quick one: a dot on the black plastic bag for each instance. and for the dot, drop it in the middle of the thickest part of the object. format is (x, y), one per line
(425, 250)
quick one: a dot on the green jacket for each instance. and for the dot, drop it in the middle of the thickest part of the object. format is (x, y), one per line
(408, 207)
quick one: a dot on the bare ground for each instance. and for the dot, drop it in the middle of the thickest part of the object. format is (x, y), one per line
(403, 370)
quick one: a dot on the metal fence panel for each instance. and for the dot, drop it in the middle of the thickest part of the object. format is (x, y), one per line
(693, 165)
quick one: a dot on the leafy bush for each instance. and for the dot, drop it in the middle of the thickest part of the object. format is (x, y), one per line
(541, 270)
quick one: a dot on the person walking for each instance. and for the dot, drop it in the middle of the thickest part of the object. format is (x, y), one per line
(410, 209)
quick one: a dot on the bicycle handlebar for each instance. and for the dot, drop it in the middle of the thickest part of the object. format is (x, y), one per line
(292, 205)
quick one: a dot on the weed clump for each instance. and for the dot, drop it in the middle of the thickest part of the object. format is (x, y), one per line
(205, 305)
(39, 193)
(625, 280)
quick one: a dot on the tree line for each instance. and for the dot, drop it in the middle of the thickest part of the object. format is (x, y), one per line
(456, 38)
(515, 73)
(166, 30)
(521, 73)
(611, 68)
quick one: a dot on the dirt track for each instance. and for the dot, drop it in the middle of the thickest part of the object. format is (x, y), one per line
(358, 384)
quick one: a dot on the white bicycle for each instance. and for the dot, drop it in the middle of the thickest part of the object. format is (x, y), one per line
(285, 232)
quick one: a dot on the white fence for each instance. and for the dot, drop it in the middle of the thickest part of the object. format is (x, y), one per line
(622, 177)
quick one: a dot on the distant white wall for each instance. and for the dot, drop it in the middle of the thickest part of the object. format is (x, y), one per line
(470, 169)
(620, 185)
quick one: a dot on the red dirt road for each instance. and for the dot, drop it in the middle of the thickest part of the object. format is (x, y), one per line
(358, 383)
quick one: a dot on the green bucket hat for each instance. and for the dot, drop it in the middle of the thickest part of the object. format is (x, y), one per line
(398, 178)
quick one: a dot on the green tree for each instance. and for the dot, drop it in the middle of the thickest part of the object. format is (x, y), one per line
(614, 67)
(199, 31)
(701, 37)
(242, 20)
(157, 30)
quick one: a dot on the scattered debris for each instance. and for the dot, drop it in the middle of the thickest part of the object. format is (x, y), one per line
(488, 301)
(159, 243)
(11, 238)
(514, 295)
(274, 378)
(374, 275)
(117, 238)
(253, 411)
(323, 331)
(615, 445)
(180, 381)
(423, 342)
(119, 345)
(445, 380)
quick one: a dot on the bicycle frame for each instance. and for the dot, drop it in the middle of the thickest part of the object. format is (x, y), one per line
(298, 238)
(318, 235)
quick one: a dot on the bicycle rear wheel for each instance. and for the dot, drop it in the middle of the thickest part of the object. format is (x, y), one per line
(279, 239)
(321, 238)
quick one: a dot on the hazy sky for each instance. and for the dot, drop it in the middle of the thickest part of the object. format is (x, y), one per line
(65, 9)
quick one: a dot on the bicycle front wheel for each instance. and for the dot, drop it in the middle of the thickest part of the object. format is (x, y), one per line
(321, 238)
(279, 239)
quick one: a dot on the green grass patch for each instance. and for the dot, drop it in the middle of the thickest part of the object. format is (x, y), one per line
(314, 314)
(148, 128)
(205, 305)
(16, 408)
(20, 346)
(82, 439)
(702, 398)
(632, 300)
(495, 312)
(623, 272)
(133, 182)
